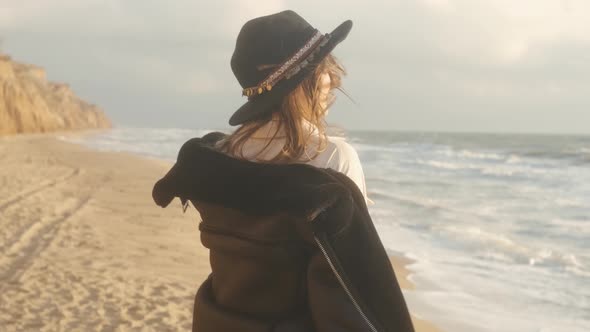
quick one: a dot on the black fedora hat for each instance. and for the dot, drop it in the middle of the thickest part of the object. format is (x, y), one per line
(273, 55)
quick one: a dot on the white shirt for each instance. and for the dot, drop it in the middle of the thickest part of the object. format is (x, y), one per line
(338, 155)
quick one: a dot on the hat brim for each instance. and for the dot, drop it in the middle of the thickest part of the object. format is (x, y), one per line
(262, 104)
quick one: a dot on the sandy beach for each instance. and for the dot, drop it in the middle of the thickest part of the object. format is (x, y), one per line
(84, 248)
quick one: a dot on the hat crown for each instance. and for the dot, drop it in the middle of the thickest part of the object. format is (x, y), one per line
(266, 41)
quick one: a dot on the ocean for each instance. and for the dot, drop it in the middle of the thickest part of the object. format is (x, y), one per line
(498, 225)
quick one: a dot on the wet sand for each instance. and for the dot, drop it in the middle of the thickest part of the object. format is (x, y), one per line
(84, 248)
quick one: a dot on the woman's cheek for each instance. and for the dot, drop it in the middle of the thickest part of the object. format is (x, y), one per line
(325, 90)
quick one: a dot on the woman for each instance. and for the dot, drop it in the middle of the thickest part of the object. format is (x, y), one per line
(295, 130)
(283, 206)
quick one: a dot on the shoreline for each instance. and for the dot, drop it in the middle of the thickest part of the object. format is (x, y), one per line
(86, 247)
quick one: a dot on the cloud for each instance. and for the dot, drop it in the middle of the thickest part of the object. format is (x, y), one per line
(424, 58)
(496, 45)
(149, 41)
(179, 19)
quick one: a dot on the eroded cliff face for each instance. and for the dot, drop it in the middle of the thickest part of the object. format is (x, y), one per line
(31, 104)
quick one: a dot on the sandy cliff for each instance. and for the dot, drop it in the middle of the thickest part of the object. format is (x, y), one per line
(30, 104)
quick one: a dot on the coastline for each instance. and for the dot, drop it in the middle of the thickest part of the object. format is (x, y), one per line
(86, 248)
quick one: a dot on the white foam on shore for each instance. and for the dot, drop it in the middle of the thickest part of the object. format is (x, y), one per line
(152, 142)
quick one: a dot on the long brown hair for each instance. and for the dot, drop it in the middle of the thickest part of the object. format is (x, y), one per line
(304, 104)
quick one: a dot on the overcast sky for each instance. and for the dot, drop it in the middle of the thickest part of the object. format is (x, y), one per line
(443, 65)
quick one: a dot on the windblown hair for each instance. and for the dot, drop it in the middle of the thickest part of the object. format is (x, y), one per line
(299, 110)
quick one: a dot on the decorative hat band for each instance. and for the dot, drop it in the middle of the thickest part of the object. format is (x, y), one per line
(291, 66)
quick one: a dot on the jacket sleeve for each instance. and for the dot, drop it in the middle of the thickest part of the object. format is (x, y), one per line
(352, 267)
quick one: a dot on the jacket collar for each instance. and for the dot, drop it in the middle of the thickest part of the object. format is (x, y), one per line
(204, 174)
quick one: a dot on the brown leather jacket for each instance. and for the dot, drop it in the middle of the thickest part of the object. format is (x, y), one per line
(292, 247)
